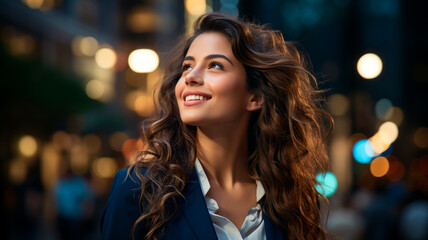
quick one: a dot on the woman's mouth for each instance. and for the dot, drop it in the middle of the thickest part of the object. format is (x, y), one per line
(194, 99)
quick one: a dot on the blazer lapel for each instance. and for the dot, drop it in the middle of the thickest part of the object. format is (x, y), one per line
(196, 223)
(196, 211)
(272, 231)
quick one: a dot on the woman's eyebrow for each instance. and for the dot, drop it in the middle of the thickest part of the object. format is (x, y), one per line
(211, 56)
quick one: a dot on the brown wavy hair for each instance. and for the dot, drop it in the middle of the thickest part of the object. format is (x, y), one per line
(287, 137)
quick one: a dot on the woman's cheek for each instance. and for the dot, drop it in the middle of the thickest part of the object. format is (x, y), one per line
(179, 89)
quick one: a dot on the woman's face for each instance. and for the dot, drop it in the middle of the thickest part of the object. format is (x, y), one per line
(212, 89)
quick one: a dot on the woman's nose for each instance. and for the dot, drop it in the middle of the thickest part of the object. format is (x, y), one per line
(193, 78)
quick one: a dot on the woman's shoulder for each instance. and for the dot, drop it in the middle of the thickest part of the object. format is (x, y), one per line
(127, 179)
(122, 208)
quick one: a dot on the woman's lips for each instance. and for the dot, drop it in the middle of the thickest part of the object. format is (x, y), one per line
(193, 102)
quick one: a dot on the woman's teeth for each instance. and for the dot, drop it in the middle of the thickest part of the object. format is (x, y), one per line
(195, 97)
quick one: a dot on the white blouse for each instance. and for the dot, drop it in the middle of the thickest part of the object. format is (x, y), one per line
(253, 227)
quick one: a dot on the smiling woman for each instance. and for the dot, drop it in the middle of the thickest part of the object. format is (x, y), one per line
(235, 147)
(215, 81)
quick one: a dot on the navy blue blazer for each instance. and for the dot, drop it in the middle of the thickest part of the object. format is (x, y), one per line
(191, 221)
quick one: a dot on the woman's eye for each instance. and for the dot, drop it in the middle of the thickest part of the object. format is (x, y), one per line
(186, 67)
(216, 65)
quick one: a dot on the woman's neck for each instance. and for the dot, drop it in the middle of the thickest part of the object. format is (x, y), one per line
(224, 154)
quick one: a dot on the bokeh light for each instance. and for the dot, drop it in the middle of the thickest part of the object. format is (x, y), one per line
(397, 116)
(363, 151)
(117, 139)
(338, 104)
(328, 183)
(79, 160)
(27, 146)
(105, 167)
(95, 89)
(44, 5)
(195, 7)
(22, 44)
(88, 46)
(379, 166)
(379, 146)
(421, 137)
(92, 143)
(388, 132)
(396, 169)
(17, 171)
(369, 66)
(142, 20)
(131, 97)
(61, 140)
(143, 60)
(354, 138)
(34, 4)
(106, 58)
(144, 105)
(153, 78)
(384, 109)
(50, 163)
(129, 148)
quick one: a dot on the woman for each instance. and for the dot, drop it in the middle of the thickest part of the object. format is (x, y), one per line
(235, 145)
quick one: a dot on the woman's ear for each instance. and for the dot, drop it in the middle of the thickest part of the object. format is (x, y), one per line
(255, 103)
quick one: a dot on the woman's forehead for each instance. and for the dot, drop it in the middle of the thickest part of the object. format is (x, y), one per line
(210, 43)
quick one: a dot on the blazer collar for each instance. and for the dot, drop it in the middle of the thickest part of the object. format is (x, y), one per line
(195, 210)
(196, 213)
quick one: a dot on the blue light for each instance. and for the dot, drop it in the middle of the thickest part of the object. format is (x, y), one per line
(363, 151)
(328, 183)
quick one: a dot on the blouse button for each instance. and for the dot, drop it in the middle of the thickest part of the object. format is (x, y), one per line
(251, 217)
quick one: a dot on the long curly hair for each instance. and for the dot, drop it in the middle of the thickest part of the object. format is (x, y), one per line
(287, 137)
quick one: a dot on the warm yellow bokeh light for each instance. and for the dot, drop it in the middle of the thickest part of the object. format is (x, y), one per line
(379, 146)
(79, 160)
(106, 58)
(144, 105)
(88, 46)
(34, 4)
(195, 7)
(421, 137)
(17, 171)
(379, 166)
(388, 132)
(153, 78)
(95, 89)
(105, 167)
(143, 60)
(369, 66)
(22, 44)
(75, 45)
(130, 98)
(27, 146)
(338, 104)
(49, 165)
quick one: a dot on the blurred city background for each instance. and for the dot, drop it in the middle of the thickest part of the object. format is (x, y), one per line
(76, 82)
